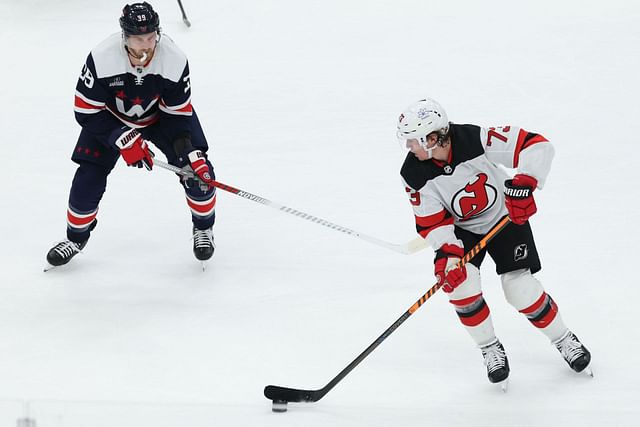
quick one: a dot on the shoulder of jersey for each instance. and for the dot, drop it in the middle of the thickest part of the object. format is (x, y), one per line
(171, 60)
(467, 143)
(110, 58)
(416, 173)
(466, 146)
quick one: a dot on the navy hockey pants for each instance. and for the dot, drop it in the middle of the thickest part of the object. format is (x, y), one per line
(96, 159)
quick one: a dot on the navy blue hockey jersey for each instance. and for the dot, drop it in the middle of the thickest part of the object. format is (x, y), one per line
(111, 92)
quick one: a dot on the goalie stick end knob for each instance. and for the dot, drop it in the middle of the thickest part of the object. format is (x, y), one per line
(279, 406)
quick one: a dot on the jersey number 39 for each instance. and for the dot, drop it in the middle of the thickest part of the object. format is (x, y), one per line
(87, 77)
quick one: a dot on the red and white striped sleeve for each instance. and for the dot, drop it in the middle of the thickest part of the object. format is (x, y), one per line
(433, 222)
(90, 102)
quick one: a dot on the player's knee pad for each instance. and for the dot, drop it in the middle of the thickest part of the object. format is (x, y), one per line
(471, 286)
(520, 288)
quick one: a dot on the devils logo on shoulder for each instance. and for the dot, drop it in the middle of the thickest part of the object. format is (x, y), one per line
(474, 199)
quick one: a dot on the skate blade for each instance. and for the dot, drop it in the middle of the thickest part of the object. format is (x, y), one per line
(504, 385)
(48, 267)
(588, 371)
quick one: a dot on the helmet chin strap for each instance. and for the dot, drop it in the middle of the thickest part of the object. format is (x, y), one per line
(428, 150)
(441, 142)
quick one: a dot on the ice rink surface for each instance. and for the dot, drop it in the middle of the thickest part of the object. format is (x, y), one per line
(299, 101)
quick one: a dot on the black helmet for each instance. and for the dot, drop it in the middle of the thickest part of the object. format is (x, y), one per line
(139, 18)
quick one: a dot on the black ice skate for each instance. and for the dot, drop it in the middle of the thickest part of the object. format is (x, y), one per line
(497, 364)
(62, 252)
(574, 352)
(203, 245)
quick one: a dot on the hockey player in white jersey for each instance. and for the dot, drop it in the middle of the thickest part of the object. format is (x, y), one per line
(458, 193)
(135, 90)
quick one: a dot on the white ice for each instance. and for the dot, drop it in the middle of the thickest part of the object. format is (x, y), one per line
(299, 101)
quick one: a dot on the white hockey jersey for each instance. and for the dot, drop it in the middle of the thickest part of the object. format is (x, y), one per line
(467, 190)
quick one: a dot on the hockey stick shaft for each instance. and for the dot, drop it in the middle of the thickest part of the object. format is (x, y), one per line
(414, 245)
(277, 393)
(184, 15)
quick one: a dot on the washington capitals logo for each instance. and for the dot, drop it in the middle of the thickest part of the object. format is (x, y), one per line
(137, 109)
(474, 199)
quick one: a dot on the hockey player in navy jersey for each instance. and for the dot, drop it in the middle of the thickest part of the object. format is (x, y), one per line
(458, 194)
(134, 91)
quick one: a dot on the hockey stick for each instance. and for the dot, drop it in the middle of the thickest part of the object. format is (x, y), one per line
(282, 395)
(410, 247)
(184, 15)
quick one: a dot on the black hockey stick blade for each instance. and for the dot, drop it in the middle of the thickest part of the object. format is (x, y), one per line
(277, 393)
(284, 394)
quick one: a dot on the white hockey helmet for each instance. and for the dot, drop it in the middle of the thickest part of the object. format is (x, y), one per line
(421, 119)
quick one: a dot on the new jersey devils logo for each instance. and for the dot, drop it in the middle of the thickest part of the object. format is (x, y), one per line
(520, 252)
(475, 198)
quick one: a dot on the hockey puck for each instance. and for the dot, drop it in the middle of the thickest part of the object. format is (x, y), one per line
(279, 406)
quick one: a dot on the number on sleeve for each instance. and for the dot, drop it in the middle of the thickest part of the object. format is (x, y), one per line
(87, 77)
(187, 82)
(414, 196)
(497, 133)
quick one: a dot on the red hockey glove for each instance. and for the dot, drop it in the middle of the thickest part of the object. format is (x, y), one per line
(518, 195)
(200, 166)
(135, 150)
(449, 276)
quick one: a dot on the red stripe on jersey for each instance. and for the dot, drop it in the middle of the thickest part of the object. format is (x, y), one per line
(80, 221)
(525, 140)
(80, 103)
(431, 220)
(442, 164)
(202, 207)
(186, 109)
(426, 224)
(534, 139)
